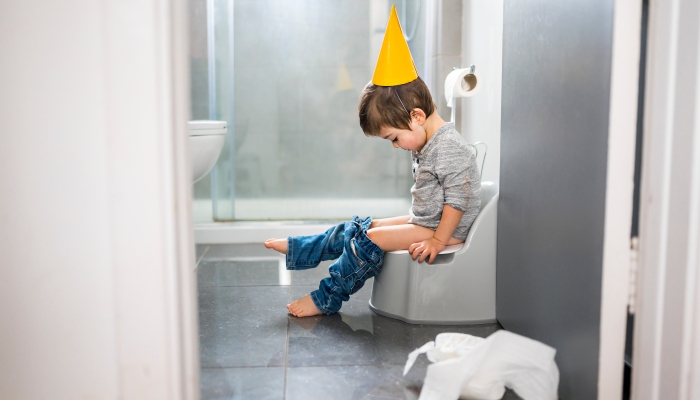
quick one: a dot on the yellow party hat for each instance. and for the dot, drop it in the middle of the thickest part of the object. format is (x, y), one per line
(395, 65)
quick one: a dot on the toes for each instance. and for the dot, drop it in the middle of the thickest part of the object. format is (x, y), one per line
(296, 308)
(293, 309)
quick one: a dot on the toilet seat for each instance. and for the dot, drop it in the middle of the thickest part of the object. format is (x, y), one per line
(206, 128)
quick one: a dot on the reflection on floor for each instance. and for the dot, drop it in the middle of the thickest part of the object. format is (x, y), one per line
(250, 348)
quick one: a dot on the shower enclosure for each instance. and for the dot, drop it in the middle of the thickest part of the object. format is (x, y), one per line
(287, 76)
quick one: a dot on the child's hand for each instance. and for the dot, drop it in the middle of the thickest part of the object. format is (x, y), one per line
(426, 249)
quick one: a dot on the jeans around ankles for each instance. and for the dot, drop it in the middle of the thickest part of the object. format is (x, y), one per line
(358, 259)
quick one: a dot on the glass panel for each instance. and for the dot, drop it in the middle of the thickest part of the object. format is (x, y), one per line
(211, 55)
(199, 86)
(299, 69)
(222, 175)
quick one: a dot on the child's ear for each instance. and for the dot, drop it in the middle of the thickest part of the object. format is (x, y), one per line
(418, 115)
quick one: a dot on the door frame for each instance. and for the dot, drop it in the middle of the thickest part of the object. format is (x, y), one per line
(624, 87)
(666, 353)
(147, 79)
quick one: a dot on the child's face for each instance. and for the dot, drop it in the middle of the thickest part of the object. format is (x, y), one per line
(412, 140)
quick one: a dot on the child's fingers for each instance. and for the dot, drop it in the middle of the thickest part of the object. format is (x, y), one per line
(416, 250)
(416, 253)
(424, 255)
(410, 250)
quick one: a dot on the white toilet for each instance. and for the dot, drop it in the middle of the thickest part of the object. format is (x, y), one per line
(206, 141)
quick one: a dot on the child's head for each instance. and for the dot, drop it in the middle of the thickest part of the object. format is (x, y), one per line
(393, 106)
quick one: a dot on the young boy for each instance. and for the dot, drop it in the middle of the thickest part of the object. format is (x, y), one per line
(395, 106)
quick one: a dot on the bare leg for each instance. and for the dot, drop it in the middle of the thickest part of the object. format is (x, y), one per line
(303, 307)
(280, 245)
(376, 223)
(400, 237)
(277, 244)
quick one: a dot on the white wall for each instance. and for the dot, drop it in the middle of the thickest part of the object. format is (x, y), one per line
(96, 289)
(482, 45)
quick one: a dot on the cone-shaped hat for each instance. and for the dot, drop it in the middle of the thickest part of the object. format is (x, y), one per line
(395, 65)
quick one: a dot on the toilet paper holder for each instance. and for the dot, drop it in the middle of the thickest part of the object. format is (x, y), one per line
(454, 89)
(454, 86)
(472, 69)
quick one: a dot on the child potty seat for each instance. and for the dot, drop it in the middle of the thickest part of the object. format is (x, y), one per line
(458, 288)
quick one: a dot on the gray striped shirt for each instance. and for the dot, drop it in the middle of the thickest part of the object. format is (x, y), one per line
(445, 172)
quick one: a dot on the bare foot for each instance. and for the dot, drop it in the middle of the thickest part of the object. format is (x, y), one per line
(277, 244)
(303, 307)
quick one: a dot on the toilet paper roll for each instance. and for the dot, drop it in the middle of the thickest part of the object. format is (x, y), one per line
(461, 83)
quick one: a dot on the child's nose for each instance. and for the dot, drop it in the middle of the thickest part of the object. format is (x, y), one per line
(395, 144)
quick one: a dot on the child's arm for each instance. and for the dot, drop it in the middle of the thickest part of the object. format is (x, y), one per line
(389, 221)
(432, 247)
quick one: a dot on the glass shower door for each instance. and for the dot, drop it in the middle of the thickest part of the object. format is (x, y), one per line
(212, 90)
(296, 150)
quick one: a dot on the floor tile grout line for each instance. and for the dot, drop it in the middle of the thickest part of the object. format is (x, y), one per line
(286, 350)
(204, 253)
(350, 365)
(422, 328)
(240, 286)
(212, 259)
(311, 366)
(237, 286)
(244, 367)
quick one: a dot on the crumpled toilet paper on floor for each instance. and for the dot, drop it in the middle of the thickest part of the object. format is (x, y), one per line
(470, 367)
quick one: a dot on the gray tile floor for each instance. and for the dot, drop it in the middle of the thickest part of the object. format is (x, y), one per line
(251, 348)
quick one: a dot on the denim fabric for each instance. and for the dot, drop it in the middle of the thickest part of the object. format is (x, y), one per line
(358, 259)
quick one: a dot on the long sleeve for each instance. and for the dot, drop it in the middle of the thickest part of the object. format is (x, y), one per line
(452, 171)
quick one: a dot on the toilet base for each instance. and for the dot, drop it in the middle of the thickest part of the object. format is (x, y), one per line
(427, 321)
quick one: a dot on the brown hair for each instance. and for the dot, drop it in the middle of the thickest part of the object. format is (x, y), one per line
(382, 106)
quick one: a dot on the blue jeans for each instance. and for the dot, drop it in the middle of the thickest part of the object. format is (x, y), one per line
(358, 259)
